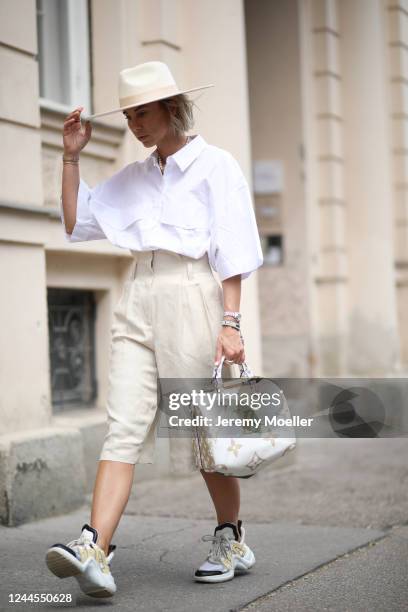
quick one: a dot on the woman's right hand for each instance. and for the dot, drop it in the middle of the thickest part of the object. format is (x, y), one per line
(75, 136)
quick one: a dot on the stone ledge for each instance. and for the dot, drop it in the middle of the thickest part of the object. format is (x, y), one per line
(41, 474)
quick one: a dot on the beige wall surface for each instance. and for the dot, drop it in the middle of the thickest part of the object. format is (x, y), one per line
(24, 365)
(322, 128)
(396, 35)
(17, 25)
(275, 103)
(19, 111)
(349, 187)
(368, 187)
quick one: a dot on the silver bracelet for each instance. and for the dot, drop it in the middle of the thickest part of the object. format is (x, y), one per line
(233, 324)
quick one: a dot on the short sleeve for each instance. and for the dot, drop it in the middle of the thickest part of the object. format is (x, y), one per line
(235, 246)
(86, 226)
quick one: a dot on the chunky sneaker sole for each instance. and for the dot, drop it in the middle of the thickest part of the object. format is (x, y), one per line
(241, 565)
(246, 562)
(229, 554)
(62, 562)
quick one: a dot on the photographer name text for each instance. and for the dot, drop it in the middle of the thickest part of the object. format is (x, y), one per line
(206, 421)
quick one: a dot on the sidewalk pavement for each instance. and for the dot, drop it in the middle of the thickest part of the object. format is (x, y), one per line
(329, 532)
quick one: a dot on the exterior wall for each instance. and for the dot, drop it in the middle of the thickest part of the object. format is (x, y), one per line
(24, 368)
(339, 128)
(349, 187)
(397, 37)
(19, 113)
(372, 311)
(324, 168)
(276, 132)
(24, 357)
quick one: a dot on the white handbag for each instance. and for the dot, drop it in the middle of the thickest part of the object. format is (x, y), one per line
(243, 453)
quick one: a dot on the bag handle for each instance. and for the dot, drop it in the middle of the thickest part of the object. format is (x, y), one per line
(245, 371)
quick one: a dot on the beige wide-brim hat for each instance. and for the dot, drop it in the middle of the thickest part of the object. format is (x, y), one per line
(145, 83)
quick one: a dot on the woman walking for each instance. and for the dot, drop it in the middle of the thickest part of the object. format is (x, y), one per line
(183, 212)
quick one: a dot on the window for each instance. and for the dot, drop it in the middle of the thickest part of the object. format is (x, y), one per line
(71, 327)
(64, 52)
(273, 249)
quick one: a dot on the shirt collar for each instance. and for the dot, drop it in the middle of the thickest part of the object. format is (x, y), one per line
(186, 155)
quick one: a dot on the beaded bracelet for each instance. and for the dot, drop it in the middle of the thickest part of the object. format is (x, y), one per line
(235, 315)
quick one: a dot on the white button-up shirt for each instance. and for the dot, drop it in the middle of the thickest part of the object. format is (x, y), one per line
(201, 204)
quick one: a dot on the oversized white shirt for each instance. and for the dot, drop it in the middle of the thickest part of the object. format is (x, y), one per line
(200, 204)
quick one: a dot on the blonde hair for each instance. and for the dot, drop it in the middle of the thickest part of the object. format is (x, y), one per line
(182, 118)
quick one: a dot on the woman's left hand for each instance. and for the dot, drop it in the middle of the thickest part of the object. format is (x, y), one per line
(230, 345)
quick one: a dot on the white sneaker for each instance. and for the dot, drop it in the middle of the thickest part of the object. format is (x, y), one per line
(86, 561)
(228, 554)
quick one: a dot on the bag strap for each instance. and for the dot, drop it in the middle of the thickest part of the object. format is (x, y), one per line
(245, 371)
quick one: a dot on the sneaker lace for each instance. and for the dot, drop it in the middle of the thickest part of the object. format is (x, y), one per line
(220, 549)
(81, 541)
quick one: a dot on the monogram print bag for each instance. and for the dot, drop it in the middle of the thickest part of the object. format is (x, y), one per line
(242, 424)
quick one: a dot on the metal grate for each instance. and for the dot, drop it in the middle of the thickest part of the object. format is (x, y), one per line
(71, 326)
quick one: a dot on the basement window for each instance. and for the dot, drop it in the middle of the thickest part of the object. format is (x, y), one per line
(71, 327)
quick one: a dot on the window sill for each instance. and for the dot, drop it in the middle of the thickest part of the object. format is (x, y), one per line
(51, 105)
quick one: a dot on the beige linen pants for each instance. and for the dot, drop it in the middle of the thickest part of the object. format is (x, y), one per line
(165, 325)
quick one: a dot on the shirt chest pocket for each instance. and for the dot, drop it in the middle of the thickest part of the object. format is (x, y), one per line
(119, 217)
(186, 210)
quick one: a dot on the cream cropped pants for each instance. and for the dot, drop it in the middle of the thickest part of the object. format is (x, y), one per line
(165, 324)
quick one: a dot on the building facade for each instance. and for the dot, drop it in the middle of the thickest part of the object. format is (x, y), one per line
(310, 97)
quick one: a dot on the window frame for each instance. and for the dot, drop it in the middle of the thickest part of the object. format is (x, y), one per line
(78, 61)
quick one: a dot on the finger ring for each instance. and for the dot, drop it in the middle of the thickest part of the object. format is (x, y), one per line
(229, 361)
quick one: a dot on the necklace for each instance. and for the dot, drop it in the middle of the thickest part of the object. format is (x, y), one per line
(159, 159)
